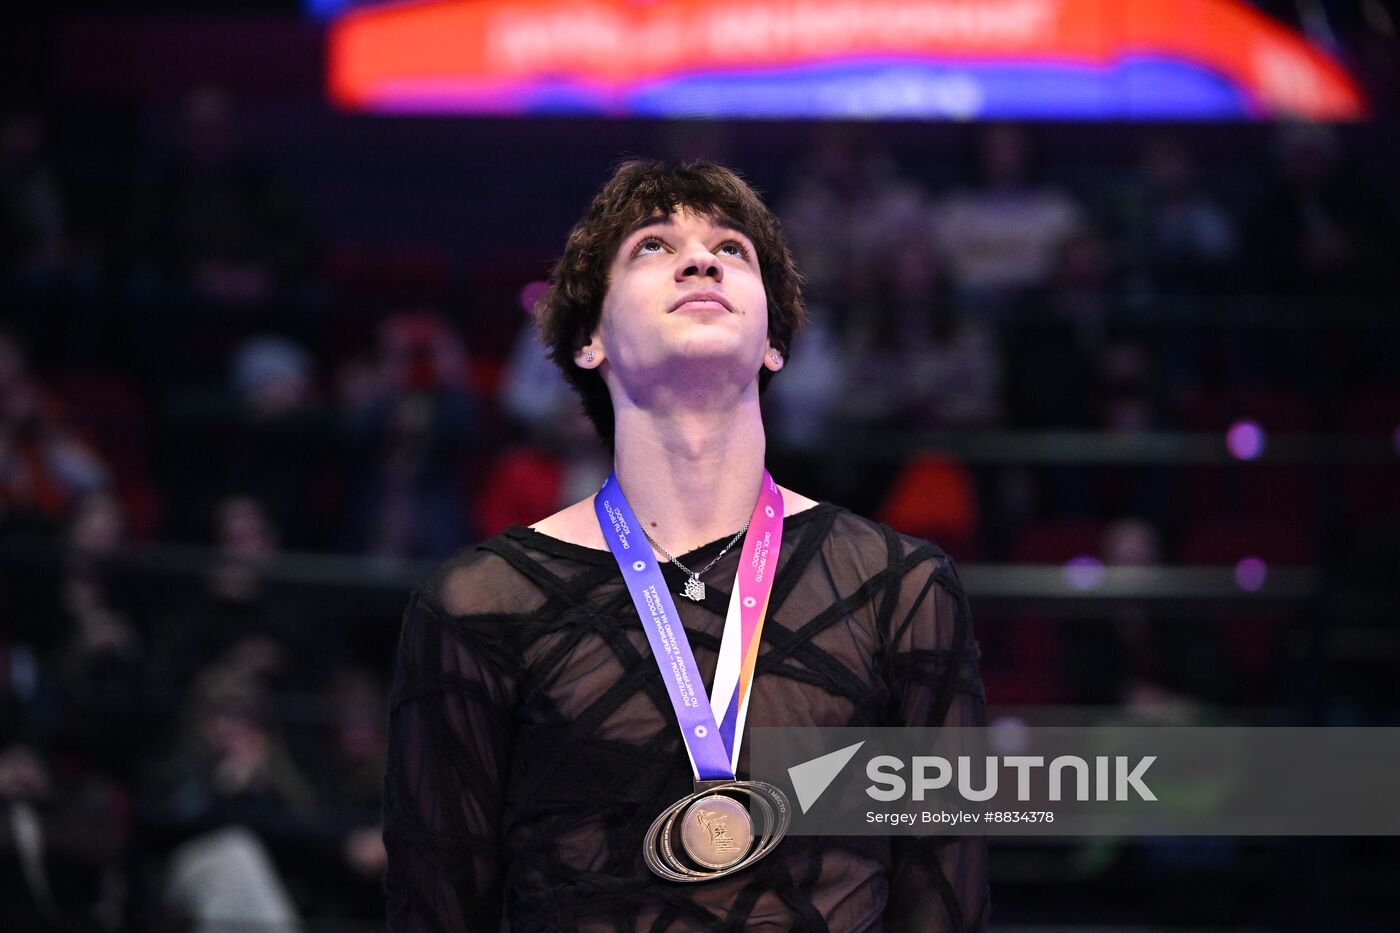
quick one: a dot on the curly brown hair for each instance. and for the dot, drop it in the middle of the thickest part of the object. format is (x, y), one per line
(568, 312)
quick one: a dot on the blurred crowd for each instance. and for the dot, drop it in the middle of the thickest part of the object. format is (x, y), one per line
(176, 742)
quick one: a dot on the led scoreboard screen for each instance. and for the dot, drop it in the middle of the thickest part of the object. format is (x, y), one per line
(847, 59)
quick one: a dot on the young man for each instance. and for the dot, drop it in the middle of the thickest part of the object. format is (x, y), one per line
(534, 737)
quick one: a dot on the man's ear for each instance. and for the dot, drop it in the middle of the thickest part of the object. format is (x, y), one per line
(772, 359)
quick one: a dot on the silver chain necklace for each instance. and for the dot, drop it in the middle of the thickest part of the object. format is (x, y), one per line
(694, 588)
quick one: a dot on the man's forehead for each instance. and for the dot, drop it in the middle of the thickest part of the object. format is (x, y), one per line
(714, 218)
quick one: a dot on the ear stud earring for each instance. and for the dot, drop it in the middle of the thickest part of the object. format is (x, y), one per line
(588, 357)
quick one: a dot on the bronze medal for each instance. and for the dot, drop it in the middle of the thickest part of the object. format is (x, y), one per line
(716, 831)
(711, 833)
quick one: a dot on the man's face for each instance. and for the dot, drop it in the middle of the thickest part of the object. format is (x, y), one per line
(683, 288)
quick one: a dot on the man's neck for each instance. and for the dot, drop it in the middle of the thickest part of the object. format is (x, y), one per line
(691, 473)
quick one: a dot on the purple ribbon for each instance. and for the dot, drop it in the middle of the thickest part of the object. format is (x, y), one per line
(709, 756)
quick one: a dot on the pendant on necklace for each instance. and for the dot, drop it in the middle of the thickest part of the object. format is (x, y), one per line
(694, 589)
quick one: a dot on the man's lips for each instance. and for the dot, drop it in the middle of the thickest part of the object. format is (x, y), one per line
(715, 297)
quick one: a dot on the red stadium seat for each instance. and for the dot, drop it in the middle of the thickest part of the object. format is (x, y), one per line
(934, 497)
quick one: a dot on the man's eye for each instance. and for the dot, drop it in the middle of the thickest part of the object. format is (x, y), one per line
(647, 245)
(735, 248)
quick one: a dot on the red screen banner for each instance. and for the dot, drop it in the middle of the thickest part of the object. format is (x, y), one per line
(1210, 58)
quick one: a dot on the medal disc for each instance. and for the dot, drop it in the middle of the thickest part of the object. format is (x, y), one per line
(716, 831)
(711, 833)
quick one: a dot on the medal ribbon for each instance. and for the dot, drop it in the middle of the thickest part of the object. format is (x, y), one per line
(712, 728)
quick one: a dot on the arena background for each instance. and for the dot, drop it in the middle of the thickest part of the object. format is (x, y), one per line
(264, 361)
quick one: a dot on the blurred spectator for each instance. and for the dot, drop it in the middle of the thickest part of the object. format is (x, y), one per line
(1105, 658)
(102, 666)
(234, 783)
(558, 461)
(1174, 667)
(1004, 232)
(216, 220)
(1059, 338)
(354, 769)
(350, 778)
(67, 699)
(1130, 400)
(916, 360)
(803, 408)
(847, 206)
(1158, 667)
(29, 713)
(233, 767)
(1084, 296)
(411, 424)
(806, 401)
(278, 440)
(1320, 227)
(1069, 320)
(1175, 237)
(23, 774)
(235, 618)
(44, 468)
(909, 361)
(533, 392)
(271, 376)
(33, 223)
(61, 847)
(1054, 340)
(247, 540)
(952, 367)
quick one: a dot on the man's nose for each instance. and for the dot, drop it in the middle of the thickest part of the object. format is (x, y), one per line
(697, 260)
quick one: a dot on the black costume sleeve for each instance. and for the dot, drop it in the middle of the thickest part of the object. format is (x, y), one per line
(937, 882)
(451, 720)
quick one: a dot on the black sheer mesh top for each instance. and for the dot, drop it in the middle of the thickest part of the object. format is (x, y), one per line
(533, 742)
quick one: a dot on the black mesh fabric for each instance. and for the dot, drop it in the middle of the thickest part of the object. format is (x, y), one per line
(533, 741)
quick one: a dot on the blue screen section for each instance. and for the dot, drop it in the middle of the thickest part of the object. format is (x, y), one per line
(568, 98)
(1137, 88)
(328, 9)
